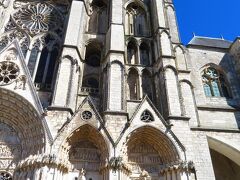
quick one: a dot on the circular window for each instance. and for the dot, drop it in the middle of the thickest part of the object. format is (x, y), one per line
(86, 115)
(5, 176)
(147, 117)
(9, 72)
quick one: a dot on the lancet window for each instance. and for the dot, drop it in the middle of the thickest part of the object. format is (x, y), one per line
(98, 20)
(91, 74)
(147, 84)
(136, 20)
(133, 85)
(144, 54)
(214, 83)
(131, 53)
(38, 27)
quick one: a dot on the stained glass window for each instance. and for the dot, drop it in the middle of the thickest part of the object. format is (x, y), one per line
(214, 83)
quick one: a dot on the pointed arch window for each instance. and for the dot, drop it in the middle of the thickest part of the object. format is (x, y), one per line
(214, 83)
(144, 54)
(131, 53)
(133, 85)
(147, 83)
(136, 20)
(98, 21)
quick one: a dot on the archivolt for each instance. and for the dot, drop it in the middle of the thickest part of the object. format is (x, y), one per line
(18, 113)
(162, 144)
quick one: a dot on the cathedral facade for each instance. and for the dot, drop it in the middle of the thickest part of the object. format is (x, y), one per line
(105, 90)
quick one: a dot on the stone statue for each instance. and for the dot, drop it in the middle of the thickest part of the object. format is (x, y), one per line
(3, 5)
(82, 173)
(144, 175)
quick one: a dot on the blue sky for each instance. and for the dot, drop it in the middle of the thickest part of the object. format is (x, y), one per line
(211, 18)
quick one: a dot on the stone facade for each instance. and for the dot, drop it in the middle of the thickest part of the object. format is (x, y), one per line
(105, 90)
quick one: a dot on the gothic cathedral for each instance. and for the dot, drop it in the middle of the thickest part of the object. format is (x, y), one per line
(105, 90)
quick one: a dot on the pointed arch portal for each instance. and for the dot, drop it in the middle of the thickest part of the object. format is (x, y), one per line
(149, 150)
(87, 150)
(225, 160)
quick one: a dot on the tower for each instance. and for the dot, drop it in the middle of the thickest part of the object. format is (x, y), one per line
(101, 89)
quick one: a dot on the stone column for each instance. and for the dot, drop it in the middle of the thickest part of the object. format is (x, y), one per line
(189, 103)
(160, 16)
(67, 78)
(36, 175)
(172, 23)
(172, 90)
(115, 49)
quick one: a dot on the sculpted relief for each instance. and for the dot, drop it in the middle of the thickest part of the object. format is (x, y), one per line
(3, 5)
(85, 155)
(10, 148)
(144, 160)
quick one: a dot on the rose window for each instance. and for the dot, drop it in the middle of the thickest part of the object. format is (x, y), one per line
(5, 176)
(86, 115)
(147, 117)
(37, 18)
(9, 71)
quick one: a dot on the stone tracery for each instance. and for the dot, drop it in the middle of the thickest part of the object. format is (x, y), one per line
(10, 148)
(5, 176)
(37, 18)
(9, 72)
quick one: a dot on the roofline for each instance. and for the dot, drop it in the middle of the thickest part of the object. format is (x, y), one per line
(209, 47)
(235, 40)
(213, 38)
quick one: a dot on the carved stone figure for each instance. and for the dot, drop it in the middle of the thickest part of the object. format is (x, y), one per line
(21, 82)
(144, 175)
(82, 174)
(3, 5)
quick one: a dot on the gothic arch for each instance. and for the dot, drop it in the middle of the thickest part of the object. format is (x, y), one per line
(164, 31)
(102, 142)
(217, 67)
(179, 46)
(138, 2)
(215, 81)
(171, 68)
(133, 39)
(98, 19)
(147, 81)
(147, 70)
(18, 114)
(68, 57)
(152, 135)
(136, 18)
(187, 81)
(149, 149)
(118, 62)
(223, 147)
(132, 52)
(133, 84)
(85, 147)
(144, 53)
(133, 69)
(171, 6)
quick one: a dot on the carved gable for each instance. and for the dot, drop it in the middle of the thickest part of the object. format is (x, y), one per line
(147, 114)
(14, 75)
